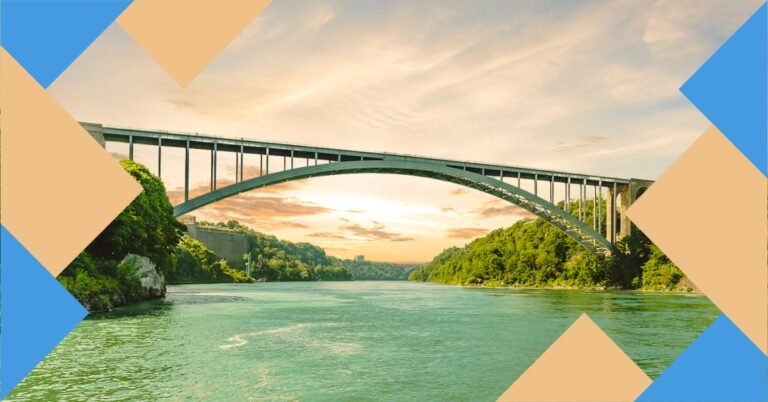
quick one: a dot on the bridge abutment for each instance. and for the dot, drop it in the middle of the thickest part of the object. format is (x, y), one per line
(617, 224)
(625, 196)
(227, 244)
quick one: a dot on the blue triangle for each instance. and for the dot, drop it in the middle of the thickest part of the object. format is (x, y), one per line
(37, 312)
(731, 89)
(722, 364)
(46, 36)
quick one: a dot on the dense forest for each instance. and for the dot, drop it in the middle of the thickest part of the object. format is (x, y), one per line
(195, 263)
(533, 253)
(530, 253)
(364, 270)
(101, 278)
(280, 260)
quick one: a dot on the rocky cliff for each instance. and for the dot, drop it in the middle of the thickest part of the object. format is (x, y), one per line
(152, 282)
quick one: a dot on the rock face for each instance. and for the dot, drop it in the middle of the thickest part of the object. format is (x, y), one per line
(152, 282)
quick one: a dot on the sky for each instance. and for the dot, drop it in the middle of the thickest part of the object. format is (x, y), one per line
(579, 86)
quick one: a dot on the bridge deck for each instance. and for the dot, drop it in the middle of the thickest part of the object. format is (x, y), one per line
(249, 146)
(502, 181)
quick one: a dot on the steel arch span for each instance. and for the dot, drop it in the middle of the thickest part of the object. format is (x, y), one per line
(570, 225)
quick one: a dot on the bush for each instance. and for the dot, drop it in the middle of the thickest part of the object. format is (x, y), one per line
(195, 263)
(534, 253)
(659, 273)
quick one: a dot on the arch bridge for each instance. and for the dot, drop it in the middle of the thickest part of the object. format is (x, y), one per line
(531, 189)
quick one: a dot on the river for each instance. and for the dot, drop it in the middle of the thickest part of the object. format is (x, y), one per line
(346, 341)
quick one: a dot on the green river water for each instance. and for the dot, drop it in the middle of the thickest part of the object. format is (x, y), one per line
(345, 341)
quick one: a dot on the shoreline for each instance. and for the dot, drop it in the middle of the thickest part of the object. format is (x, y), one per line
(481, 286)
(115, 309)
(593, 289)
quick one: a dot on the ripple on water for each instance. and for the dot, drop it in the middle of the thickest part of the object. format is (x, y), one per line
(351, 341)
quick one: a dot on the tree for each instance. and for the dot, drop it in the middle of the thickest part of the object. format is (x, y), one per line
(146, 227)
(535, 253)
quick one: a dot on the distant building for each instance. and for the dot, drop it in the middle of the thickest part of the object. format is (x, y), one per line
(360, 258)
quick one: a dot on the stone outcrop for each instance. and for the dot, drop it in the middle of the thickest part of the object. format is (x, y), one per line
(152, 282)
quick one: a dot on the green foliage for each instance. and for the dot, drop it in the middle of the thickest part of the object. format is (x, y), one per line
(530, 253)
(281, 260)
(101, 284)
(374, 271)
(195, 263)
(534, 253)
(659, 273)
(146, 227)
(422, 273)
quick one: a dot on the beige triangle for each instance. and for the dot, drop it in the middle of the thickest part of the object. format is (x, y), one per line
(184, 36)
(583, 364)
(709, 213)
(60, 188)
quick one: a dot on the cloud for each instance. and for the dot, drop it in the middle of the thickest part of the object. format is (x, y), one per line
(497, 208)
(465, 233)
(176, 195)
(183, 103)
(263, 220)
(589, 141)
(376, 232)
(266, 206)
(591, 87)
(328, 235)
(293, 225)
(262, 210)
(354, 231)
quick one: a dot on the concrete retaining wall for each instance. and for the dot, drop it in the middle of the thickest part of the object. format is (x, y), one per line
(228, 245)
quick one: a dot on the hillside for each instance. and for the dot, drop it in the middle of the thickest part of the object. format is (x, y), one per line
(364, 270)
(533, 253)
(281, 260)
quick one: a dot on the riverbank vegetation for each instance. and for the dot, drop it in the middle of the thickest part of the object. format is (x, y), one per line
(533, 253)
(101, 277)
(145, 247)
(196, 263)
(98, 277)
(364, 270)
(273, 259)
(281, 260)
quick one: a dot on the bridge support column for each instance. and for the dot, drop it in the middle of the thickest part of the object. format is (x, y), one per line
(635, 189)
(242, 148)
(214, 164)
(186, 173)
(617, 223)
(600, 207)
(594, 209)
(160, 157)
(551, 189)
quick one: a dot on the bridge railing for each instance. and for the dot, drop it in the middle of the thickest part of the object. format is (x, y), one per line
(549, 182)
